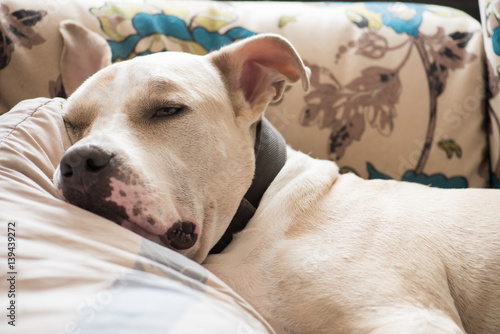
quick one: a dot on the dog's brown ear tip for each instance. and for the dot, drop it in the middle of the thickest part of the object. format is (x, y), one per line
(300, 67)
(68, 26)
(306, 80)
(66, 23)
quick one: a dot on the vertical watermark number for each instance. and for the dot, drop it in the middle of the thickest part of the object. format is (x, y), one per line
(11, 272)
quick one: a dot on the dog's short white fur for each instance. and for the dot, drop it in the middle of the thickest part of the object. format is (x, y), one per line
(324, 253)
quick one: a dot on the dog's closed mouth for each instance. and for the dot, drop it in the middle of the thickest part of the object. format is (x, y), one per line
(181, 235)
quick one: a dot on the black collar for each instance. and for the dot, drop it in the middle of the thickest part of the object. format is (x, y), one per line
(270, 157)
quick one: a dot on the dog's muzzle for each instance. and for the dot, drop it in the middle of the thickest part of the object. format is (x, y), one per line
(88, 178)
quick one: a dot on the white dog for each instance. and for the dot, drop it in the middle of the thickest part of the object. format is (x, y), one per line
(167, 145)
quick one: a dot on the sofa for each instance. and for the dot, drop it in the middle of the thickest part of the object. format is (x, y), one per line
(398, 91)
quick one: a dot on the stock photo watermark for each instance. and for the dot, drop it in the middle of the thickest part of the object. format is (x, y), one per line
(11, 250)
(451, 120)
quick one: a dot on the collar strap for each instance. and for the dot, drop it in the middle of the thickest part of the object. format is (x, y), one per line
(270, 157)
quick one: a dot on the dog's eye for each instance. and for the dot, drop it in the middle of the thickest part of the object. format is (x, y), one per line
(168, 111)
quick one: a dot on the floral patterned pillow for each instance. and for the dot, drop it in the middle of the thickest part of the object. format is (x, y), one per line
(397, 89)
(397, 93)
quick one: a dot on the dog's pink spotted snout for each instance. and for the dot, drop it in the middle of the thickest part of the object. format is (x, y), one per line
(99, 181)
(181, 235)
(139, 203)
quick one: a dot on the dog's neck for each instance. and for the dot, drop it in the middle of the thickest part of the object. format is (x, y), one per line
(270, 157)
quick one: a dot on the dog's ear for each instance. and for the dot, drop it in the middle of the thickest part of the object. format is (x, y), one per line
(84, 53)
(257, 69)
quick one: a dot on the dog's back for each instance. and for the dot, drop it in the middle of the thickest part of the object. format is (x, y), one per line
(369, 256)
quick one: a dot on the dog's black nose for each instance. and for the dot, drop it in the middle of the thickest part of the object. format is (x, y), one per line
(81, 164)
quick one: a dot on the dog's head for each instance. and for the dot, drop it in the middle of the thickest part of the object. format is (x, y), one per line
(164, 143)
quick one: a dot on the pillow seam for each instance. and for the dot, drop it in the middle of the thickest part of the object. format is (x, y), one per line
(2, 140)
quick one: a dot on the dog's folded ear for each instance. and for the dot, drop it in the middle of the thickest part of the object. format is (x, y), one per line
(257, 70)
(84, 53)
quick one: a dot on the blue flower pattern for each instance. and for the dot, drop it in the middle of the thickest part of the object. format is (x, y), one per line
(435, 180)
(408, 25)
(169, 25)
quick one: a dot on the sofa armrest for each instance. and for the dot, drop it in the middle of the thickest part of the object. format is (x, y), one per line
(490, 16)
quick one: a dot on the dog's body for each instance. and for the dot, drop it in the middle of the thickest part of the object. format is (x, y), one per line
(164, 146)
(329, 253)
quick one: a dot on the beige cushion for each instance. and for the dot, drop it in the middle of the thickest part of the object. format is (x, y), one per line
(77, 272)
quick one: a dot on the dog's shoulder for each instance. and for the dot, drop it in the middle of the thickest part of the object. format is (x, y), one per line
(302, 182)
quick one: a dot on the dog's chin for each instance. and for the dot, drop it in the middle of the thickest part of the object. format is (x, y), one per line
(179, 236)
(182, 237)
(132, 206)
